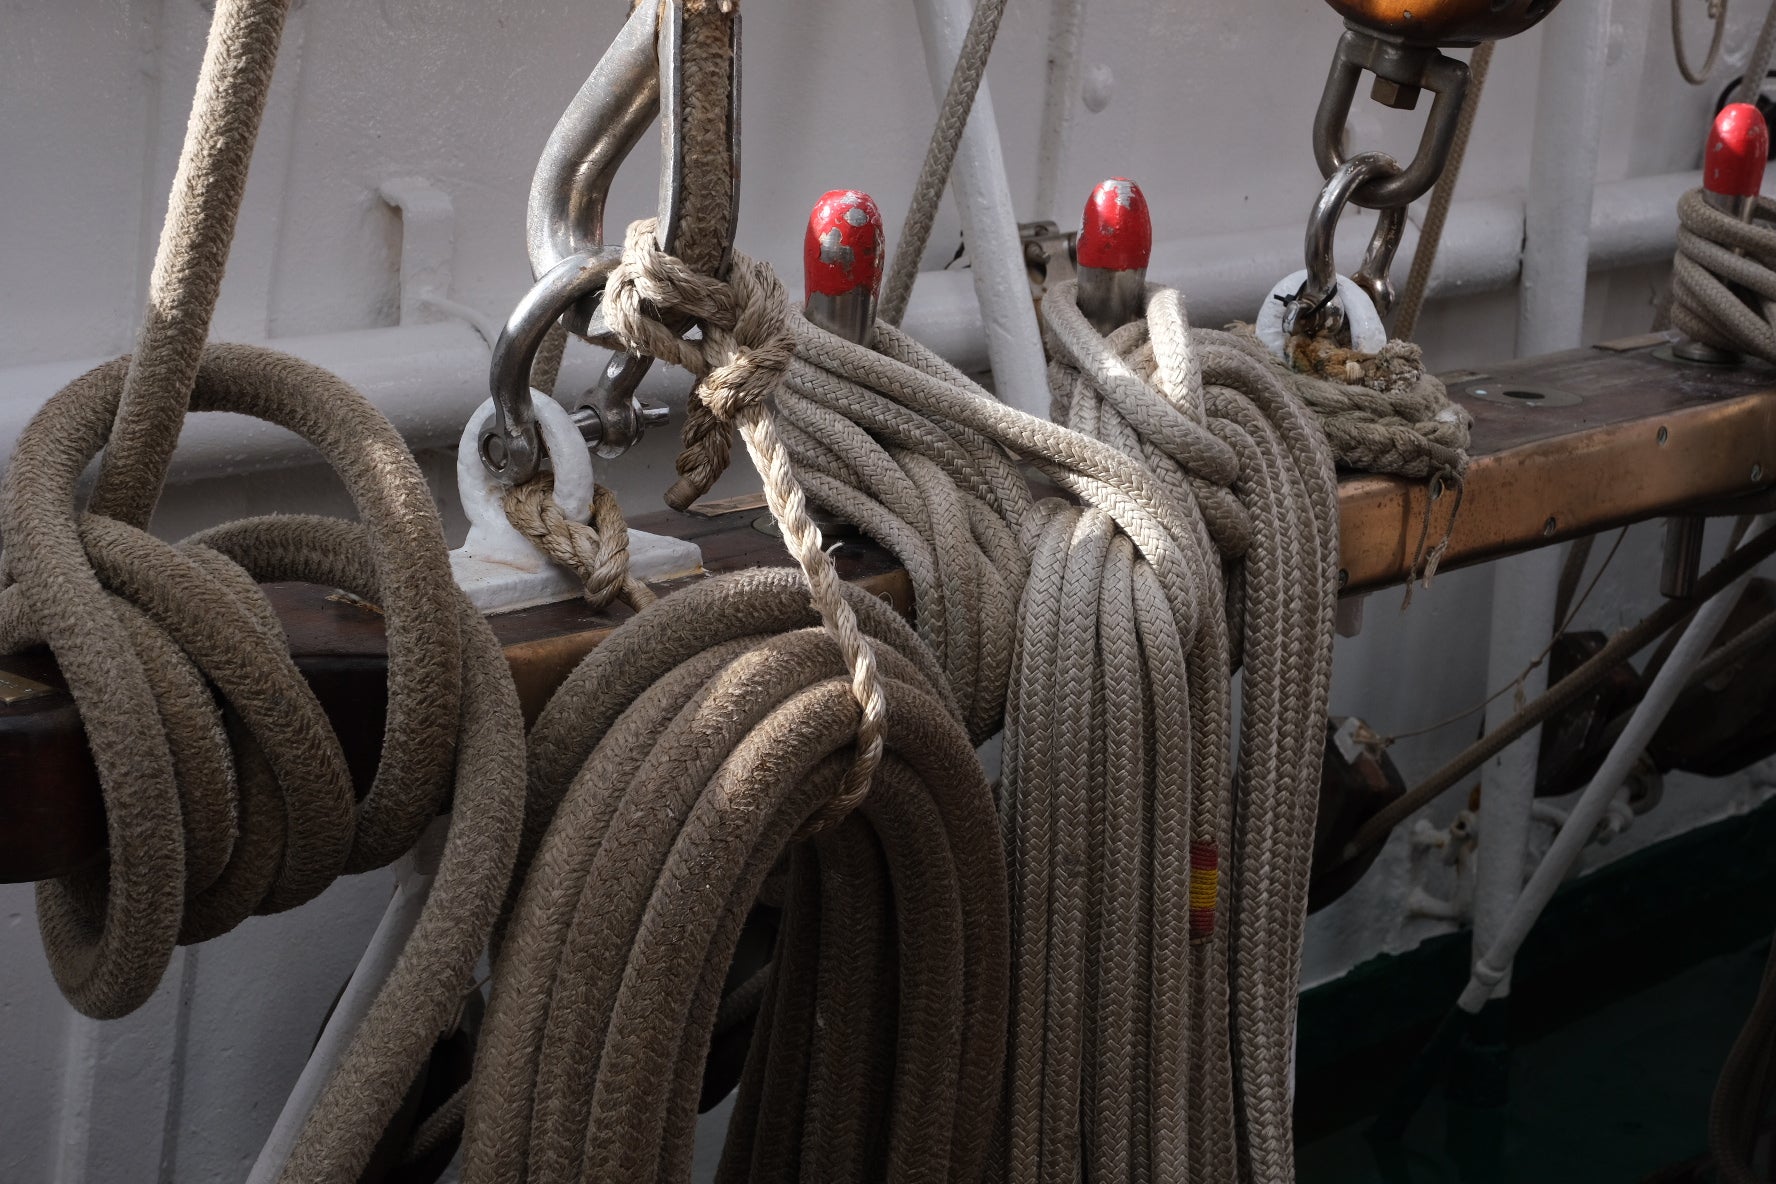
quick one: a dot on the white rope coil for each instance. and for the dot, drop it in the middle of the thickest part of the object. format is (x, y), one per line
(1723, 282)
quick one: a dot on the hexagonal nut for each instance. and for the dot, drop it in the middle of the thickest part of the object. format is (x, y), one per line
(1401, 96)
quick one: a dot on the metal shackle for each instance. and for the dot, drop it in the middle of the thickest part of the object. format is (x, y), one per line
(1315, 309)
(639, 77)
(1401, 73)
(1398, 41)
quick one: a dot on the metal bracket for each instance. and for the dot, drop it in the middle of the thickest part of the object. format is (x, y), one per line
(428, 247)
(1314, 310)
(1050, 255)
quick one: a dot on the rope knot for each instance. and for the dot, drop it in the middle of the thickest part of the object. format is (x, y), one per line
(740, 355)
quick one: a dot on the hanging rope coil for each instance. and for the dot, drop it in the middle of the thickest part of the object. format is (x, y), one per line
(1723, 284)
(211, 824)
(1118, 797)
(673, 769)
(226, 791)
(1138, 389)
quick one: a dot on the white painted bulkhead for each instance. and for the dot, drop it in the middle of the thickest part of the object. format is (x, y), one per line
(1208, 105)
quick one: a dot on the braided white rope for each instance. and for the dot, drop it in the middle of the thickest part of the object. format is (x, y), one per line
(1723, 283)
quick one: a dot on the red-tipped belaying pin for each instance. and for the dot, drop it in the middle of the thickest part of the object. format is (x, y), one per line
(842, 264)
(1733, 165)
(1115, 242)
(1732, 174)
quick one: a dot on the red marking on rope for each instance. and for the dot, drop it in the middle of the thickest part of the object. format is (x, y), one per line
(1738, 149)
(1117, 232)
(842, 250)
(1205, 880)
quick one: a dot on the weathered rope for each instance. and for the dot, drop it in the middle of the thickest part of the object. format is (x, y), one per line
(940, 154)
(669, 775)
(1430, 235)
(226, 791)
(191, 855)
(1163, 393)
(1117, 799)
(1382, 413)
(597, 552)
(1757, 66)
(233, 85)
(1694, 75)
(946, 500)
(1723, 283)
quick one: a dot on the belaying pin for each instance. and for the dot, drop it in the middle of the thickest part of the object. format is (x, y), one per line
(1733, 165)
(1115, 244)
(1732, 177)
(842, 255)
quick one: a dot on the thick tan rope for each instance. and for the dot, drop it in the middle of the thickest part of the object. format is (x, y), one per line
(1430, 235)
(233, 85)
(1723, 283)
(940, 154)
(226, 791)
(293, 826)
(1381, 412)
(597, 552)
(669, 774)
(1122, 1059)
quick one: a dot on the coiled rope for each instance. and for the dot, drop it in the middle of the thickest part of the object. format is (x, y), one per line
(677, 766)
(1723, 283)
(670, 774)
(688, 756)
(1117, 798)
(226, 791)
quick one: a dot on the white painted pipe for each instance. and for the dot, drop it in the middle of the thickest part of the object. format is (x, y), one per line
(1491, 968)
(996, 255)
(428, 378)
(1524, 590)
(414, 873)
(1060, 100)
(1551, 316)
(1562, 173)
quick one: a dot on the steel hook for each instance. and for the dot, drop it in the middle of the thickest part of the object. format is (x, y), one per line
(640, 76)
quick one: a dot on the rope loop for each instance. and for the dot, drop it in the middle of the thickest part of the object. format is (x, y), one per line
(597, 552)
(226, 791)
(1141, 388)
(740, 359)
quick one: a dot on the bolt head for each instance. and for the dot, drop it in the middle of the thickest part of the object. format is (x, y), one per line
(1400, 96)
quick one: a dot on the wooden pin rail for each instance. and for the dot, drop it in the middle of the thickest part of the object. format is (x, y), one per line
(1563, 445)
